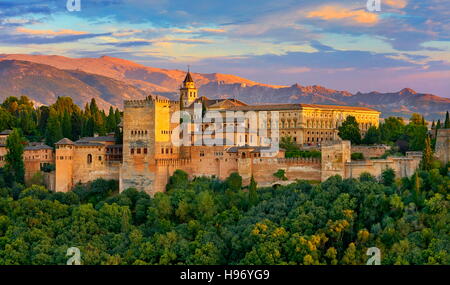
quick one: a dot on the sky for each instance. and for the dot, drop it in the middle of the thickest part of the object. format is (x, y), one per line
(337, 44)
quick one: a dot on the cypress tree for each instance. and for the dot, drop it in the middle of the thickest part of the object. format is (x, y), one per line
(111, 121)
(118, 117)
(89, 127)
(66, 125)
(427, 157)
(252, 195)
(447, 121)
(14, 155)
(77, 125)
(53, 131)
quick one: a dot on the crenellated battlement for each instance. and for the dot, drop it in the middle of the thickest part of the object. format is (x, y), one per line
(148, 101)
(137, 103)
(293, 160)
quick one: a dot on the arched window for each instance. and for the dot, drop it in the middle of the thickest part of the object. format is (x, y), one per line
(89, 158)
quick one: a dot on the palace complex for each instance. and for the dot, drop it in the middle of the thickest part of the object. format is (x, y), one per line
(214, 137)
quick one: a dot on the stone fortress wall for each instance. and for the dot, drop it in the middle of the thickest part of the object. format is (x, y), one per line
(442, 150)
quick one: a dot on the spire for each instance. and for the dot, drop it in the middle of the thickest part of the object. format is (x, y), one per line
(188, 77)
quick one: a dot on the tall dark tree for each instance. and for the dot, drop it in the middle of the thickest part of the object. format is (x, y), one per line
(53, 131)
(14, 156)
(43, 114)
(373, 136)
(118, 116)
(89, 127)
(252, 194)
(447, 121)
(388, 177)
(66, 125)
(77, 125)
(427, 157)
(111, 121)
(349, 130)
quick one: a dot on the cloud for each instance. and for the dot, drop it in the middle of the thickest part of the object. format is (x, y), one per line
(129, 43)
(400, 4)
(333, 13)
(186, 41)
(293, 70)
(213, 31)
(14, 39)
(49, 32)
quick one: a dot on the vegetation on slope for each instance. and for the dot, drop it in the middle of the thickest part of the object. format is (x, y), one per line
(207, 221)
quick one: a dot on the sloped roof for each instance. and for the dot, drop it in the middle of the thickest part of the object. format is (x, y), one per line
(97, 139)
(37, 147)
(64, 141)
(218, 103)
(188, 78)
(6, 132)
(86, 143)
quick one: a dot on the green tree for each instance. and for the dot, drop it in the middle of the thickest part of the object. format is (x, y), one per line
(205, 205)
(66, 125)
(447, 121)
(349, 130)
(6, 119)
(54, 130)
(111, 123)
(388, 177)
(373, 136)
(391, 129)
(234, 182)
(77, 122)
(14, 156)
(417, 119)
(252, 194)
(427, 156)
(281, 174)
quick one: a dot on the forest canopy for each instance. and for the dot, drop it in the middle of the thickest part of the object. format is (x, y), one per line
(206, 221)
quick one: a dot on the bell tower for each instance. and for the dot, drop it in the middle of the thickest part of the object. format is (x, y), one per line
(188, 92)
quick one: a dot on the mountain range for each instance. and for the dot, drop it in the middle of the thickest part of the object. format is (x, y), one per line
(111, 80)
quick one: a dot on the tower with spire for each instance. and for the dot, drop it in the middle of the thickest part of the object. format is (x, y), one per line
(188, 92)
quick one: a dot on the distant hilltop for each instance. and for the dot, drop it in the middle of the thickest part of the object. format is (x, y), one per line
(111, 80)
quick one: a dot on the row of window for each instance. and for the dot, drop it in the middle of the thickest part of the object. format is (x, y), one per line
(138, 151)
(64, 157)
(145, 151)
(36, 157)
(139, 132)
(315, 139)
(113, 150)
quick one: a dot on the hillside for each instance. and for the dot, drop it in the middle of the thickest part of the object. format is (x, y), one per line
(43, 84)
(112, 80)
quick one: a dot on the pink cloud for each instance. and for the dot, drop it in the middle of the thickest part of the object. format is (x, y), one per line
(340, 13)
(400, 4)
(63, 32)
